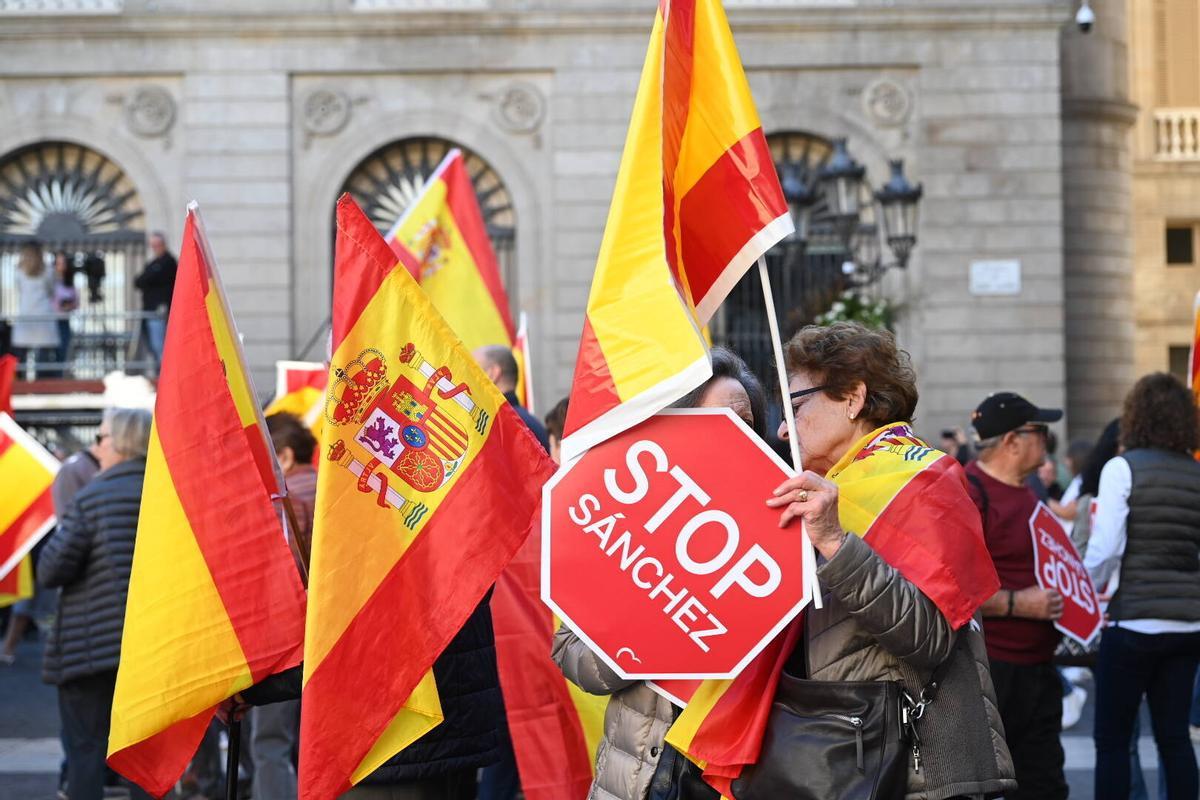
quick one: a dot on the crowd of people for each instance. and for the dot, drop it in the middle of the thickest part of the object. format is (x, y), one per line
(48, 299)
(992, 698)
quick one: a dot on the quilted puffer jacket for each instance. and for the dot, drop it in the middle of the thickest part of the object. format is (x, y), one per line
(635, 722)
(90, 555)
(875, 625)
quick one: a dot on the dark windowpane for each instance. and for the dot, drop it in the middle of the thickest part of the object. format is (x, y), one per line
(1179, 245)
(1177, 358)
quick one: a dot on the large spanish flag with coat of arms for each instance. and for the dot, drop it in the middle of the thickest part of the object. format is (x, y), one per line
(429, 485)
(697, 201)
(215, 602)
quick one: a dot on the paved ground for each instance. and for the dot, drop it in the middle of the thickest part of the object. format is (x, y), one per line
(30, 752)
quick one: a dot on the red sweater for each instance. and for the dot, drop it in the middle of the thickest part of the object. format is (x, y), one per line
(1006, 530)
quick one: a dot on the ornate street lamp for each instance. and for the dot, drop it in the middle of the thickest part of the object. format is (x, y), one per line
(800, 199)
(841, 182)
(899, 199)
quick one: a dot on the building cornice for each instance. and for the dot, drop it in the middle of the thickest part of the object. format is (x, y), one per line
(1121, 112)
(745, 19)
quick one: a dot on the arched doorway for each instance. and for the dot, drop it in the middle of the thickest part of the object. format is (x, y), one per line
(69, 197)
(387, 181)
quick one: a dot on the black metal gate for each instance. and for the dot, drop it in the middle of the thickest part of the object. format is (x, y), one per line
(67, 197)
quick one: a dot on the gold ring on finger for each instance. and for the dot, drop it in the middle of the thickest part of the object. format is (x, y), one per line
(802, 497)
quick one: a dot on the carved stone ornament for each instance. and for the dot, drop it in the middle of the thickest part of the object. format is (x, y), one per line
(887, 102)
(150, 112)
(520, 108)
(325, 112)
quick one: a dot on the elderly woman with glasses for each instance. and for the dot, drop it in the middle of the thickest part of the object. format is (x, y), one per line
(89, 557)
(903, 571)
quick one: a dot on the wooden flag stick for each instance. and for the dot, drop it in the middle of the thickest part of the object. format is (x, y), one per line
(300, 550)
(789, 416)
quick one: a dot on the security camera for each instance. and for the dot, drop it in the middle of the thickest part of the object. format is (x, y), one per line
(1085, 18)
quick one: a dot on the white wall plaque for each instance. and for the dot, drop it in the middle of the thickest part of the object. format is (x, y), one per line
(996, 277)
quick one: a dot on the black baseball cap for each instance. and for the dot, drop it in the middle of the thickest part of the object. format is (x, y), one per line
(1006, 411)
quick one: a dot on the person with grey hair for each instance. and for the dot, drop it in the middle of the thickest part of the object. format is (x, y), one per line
(89, 557)
(499, 363)
(1018, 620)
(157, 284)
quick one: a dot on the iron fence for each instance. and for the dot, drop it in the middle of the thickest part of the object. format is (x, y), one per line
(99, 343)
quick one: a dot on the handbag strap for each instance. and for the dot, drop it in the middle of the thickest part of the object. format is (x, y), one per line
(930, 689)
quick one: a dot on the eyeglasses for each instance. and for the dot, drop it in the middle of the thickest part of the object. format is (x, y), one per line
(1037, 430)
(100, 437)
(806, 392)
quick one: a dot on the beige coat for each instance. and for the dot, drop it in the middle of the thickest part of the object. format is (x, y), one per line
(635, 722)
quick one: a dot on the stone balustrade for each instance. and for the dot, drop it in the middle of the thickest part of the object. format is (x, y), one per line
(1177, 134)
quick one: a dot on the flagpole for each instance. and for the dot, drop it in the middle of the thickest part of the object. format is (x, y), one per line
(789, 416)
(231, 756)
(301, 551)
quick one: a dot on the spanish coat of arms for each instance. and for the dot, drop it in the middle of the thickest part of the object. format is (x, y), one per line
(415, 432)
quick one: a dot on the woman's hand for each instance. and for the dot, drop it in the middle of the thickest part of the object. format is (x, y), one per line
(815, 500)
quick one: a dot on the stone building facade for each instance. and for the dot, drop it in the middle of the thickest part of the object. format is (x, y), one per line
(263, 111)
(1165, 84)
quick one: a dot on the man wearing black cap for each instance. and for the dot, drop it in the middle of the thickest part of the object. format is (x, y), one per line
(1019, 619)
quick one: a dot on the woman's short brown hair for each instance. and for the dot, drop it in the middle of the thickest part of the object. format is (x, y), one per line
(287, 430)
(840, 355)
(1160, 413)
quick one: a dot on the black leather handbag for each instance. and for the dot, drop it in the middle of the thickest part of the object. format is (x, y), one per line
(844, 739)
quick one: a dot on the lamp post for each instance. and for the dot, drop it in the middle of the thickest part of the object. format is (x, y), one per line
(841, 183)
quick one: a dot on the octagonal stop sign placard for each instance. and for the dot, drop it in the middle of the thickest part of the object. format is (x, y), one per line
(659, 551)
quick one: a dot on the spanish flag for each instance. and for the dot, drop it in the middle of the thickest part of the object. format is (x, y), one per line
(18, 584)
(454, 261)
(300, 391)
(524, 365)
(429, 486)
(215, 603)
(555, 726)
(697, 201)
(1194, 356)
(27, 471)
(909, 502)
(8, 376)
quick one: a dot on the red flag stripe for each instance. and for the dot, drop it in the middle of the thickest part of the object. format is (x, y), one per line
(201, 445)
(26, 525)
(593, 391)
(954, 588)
(432, 583)
(174, 745)
(357, 287)
(716, 223)
(679, 26)
(465, 208)
(547, 736)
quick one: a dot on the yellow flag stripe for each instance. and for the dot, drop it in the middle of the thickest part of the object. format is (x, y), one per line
(722, 109)
(422, 712)
(151, 655)
(24, 479)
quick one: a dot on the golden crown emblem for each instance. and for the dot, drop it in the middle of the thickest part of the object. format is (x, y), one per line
(355, 388)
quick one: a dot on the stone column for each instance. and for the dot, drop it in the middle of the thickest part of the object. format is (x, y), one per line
(1097, 214)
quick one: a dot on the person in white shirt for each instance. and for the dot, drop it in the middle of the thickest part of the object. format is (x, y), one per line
(1144, 552)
